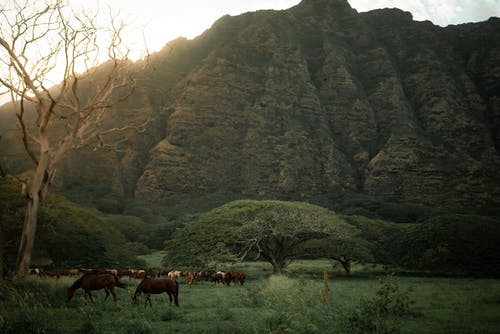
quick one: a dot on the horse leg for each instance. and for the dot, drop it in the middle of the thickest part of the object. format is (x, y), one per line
(107, 293)
(90, 296)
(176, 298)
(170, 297)
(112, 290)
(148, 299)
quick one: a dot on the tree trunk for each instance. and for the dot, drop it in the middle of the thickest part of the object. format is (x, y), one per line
(276, 268)
(278, 263)
(346, 263)
(37, 189)
(27, 238)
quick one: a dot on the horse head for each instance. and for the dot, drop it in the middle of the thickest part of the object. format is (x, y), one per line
(134, 298)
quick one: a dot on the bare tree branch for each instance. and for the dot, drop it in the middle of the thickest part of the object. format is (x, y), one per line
(37, 41)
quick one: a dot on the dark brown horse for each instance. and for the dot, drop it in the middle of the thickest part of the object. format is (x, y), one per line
(150, 286)
(91, 281)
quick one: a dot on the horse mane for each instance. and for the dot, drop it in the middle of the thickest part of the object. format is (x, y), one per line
(140, 284)
(78, 282)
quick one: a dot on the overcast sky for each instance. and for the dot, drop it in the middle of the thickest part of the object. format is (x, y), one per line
(165, 20)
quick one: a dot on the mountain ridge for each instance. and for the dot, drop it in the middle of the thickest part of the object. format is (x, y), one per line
(316, 101)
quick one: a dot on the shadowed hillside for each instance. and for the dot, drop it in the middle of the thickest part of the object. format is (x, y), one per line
(309, 103)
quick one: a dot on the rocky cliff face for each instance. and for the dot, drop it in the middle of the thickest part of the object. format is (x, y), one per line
(318, 100)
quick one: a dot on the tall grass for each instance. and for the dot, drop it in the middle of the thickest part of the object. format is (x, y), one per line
(265, 304)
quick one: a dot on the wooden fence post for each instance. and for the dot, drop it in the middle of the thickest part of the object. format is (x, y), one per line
(326, 291)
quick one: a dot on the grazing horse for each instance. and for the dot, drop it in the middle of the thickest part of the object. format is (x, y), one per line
(150, 286)
(90, 281)
(238, 277)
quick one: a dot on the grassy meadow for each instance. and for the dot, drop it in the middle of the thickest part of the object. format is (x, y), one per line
(291, 303)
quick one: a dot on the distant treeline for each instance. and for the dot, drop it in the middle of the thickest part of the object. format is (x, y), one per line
(417, 238)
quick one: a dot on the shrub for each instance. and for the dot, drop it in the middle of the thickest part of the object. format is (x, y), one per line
(381, 314)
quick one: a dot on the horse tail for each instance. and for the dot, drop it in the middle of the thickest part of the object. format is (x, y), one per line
(118, 283)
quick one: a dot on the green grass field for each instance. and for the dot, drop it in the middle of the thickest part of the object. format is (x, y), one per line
(292, 303)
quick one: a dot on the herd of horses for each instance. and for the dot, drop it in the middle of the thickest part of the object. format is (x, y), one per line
(151, 282)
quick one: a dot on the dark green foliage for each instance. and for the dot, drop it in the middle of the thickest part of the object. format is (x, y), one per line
(385, 238)
(110, 205)
(455, 244)
(147, 230)
(369, 206)
(11, 218)
(72, 237)
(67, 235)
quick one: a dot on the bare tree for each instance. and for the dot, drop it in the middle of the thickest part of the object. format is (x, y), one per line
(41, 44)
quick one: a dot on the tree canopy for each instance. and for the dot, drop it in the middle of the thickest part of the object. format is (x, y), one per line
(267, 230)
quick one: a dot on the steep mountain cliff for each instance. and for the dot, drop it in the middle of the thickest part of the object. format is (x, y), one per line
(315, 101)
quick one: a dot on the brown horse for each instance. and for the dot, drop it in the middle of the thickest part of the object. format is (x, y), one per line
(90, 281)
(150, 286)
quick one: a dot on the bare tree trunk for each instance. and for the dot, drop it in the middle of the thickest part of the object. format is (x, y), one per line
(37, 189)
(27, 238)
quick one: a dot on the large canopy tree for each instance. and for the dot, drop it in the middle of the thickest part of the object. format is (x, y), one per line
(272, 231)
(42, 42)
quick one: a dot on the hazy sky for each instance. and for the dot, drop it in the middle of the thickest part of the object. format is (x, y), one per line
(161, 21)
(165, 20)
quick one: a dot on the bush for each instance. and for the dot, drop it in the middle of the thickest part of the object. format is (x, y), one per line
(381, 314)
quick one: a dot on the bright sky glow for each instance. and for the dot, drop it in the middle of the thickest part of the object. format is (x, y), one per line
(165, 20)
(156, 22)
